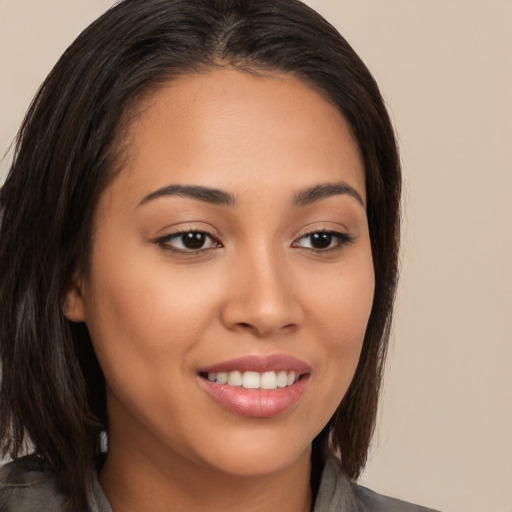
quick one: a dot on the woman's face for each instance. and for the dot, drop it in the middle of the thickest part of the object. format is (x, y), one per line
(231, 276)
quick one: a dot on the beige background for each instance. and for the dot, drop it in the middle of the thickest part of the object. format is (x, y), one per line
(445, 68)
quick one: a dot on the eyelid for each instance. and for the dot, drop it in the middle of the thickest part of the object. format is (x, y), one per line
(339, 233)
(163, 241)
(342, 237)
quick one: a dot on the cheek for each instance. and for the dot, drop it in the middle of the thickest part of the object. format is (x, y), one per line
(341, 311)
(341, 302)
(145, 318)
(142, 329)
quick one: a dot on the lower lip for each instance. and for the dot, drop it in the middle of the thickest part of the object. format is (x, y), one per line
(256, 403)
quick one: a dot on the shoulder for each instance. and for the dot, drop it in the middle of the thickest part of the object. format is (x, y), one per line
(26, 484)
(336, 494)
(370, 501)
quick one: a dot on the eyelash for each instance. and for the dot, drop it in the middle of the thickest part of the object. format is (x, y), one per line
(340, 240)
(164, 242)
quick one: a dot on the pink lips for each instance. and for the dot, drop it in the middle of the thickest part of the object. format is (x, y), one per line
(257, 403)
(277, 362)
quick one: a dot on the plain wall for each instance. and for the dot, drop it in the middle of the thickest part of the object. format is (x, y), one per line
(445, 69)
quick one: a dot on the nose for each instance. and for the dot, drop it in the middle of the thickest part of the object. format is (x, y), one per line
(262, 297)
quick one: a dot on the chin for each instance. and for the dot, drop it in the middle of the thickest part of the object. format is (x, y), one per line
(258, 455)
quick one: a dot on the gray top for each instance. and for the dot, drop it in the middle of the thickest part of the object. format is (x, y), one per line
(26, 485)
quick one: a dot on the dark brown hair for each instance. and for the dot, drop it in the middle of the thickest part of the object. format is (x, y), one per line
(69, 147)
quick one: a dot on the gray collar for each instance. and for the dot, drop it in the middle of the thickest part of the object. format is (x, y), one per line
(335, 492)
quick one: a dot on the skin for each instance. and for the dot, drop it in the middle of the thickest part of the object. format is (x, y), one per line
(157, 313)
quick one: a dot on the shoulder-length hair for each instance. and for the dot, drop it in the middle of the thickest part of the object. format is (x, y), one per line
(71, 144)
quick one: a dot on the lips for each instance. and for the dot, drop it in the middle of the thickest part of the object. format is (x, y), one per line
(255, 386)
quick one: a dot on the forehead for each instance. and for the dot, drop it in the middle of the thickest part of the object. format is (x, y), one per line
(216, 127)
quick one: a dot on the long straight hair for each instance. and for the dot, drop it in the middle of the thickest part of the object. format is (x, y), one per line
(70, 146)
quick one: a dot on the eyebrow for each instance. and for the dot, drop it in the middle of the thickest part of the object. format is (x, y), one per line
(219, 197)
(323, 191)
(206, 194)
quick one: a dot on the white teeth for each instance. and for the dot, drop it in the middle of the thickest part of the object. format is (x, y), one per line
(282, 379)
(254, 380)
(222, 377)
(251, 380)
(268, 380)
(234, 379)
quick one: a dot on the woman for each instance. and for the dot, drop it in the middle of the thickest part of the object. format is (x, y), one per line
(200, 230)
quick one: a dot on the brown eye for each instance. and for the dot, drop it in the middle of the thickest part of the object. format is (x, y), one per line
(188, 241)
(323, 241)
(193, 240)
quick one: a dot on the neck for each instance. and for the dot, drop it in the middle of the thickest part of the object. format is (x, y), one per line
(134, 481)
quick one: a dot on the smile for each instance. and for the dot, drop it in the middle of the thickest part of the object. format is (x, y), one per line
(254, 380)
(257, 387)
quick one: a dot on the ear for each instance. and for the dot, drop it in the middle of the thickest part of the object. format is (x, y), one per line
(74, 306)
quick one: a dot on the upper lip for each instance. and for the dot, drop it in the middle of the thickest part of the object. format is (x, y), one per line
(256, 363)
